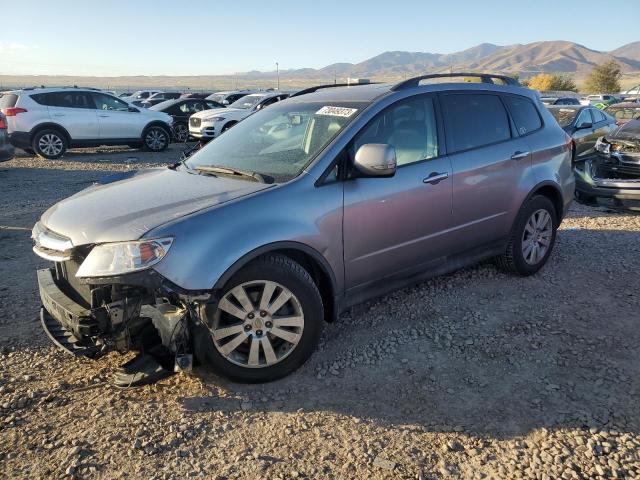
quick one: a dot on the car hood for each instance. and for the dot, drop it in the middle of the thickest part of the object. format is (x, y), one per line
(126, 206)
(218, 111)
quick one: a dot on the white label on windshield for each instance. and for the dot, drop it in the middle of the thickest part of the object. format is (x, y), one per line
(337, 111)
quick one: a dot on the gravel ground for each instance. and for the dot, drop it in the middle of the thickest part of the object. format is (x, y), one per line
(473, 375)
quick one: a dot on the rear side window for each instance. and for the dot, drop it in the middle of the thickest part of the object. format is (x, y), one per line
(525, 114)
(64, 99)
(474, 120)
(8, 100)
(598, 116)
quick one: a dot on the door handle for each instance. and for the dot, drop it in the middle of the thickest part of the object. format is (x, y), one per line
(435, 177)
(103, 115)
(58, 114)
(520, 155)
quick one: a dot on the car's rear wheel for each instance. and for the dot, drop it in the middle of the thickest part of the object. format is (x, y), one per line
(181, 132)
(268, 321)
(532, 237)
(156, 138)
(50, 144)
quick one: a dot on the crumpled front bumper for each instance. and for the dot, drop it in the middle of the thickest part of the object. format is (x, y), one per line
(589, 182)
(69, 325)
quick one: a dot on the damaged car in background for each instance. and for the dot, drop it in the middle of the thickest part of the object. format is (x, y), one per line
(614, 172)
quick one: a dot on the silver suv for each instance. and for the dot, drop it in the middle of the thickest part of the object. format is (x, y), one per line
(239, 254)
(47, 121)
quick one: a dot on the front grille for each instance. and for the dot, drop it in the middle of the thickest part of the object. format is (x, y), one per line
(69, 283)
(195, 122)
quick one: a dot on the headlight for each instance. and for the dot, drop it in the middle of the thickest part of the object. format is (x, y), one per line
(111, 259)
(603, 146)
(213, 119)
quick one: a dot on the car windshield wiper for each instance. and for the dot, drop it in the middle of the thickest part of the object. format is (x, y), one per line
(236, 172)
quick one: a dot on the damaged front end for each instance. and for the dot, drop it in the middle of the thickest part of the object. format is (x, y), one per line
(98, 299)
(613, 173)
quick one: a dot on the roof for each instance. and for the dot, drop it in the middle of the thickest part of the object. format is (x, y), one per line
(568, 107)
(53, 89)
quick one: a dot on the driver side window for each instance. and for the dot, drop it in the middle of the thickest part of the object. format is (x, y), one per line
(107, 102)
(408, 125)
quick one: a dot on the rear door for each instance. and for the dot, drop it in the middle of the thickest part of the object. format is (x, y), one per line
(602, 124)
(74, 110)
(117, 120)
(398, 225)
(489, 161)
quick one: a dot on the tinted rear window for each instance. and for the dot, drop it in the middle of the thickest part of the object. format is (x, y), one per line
(474, 120)
(525, 114)
(564, 116)
(8, 100)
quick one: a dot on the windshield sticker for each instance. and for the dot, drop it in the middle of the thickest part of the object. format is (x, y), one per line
(337, 111)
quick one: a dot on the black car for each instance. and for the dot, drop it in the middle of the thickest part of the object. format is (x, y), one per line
(200, 95)
(160, 97)
(181, 109)
(560, 101)
(584, 124)
(6, 149)
(615, 171)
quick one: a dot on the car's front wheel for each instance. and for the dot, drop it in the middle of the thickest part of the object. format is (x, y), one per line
(181, 132)
(532, 237)
(156, 139)
(267, 323)
(50, 144)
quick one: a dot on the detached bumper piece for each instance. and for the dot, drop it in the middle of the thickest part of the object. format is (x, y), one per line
(66, 323)
(607, 177)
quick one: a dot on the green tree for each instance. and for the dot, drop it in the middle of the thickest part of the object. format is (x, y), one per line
(563, 83)
(604, 78)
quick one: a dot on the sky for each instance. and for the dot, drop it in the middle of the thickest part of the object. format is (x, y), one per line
(144, 37)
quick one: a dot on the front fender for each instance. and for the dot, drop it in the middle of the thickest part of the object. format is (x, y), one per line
(208, 245)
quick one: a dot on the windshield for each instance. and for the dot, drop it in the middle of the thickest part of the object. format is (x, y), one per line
(216, 97)
(248, 101)
(159, 107)
(278, 142)
(564, 116)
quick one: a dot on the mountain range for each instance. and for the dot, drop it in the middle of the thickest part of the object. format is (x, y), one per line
(524, 59)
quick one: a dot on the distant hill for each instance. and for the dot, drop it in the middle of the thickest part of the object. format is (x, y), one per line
(525, 60)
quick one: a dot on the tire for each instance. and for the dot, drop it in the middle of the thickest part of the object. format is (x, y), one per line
(227, 126)
(584, 199)
(285, 356)
(181, 132)
(517, 257)
(156, 138)
(49, 143)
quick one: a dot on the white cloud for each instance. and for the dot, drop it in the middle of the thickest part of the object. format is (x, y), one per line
(7, 48)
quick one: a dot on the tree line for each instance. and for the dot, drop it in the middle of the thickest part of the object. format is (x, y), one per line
(604, 78)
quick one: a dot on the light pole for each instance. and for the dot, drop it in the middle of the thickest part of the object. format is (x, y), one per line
(278, 76)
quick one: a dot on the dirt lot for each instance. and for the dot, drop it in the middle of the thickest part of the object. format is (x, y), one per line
(474, 375)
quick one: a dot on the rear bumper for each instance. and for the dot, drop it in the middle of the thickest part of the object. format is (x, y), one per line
(20, 139)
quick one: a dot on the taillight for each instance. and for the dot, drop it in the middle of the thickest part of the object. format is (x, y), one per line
(12, 112)
(570, 145)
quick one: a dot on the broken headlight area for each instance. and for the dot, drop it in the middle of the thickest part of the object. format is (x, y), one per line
(139, 312)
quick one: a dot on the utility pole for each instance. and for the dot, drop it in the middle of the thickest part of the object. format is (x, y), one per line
(335, 78)
(278, 76)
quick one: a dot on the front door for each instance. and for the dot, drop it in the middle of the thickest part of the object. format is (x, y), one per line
(398, 225)
(117, 120)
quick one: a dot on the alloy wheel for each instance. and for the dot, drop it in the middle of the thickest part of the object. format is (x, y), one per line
(155, 139)
(258, 324)
(50, 144)
(536, 238)
(182, 132)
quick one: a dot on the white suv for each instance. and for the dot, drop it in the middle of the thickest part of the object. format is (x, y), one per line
(47, 121)
(209, 124)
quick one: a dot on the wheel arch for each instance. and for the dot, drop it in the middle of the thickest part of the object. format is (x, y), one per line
(310, 259)
(52, 126)
(553, 192)
(155, 123)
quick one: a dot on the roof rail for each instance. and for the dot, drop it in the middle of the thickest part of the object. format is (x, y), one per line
(330, 85)
(485, 78)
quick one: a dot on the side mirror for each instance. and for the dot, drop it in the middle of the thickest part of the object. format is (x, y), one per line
(376, 160)
(134, 109)
(584, 125)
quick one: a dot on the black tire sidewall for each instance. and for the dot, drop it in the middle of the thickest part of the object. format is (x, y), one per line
(309, 298)
(163, 130)
(176, 135)
(536, 203)
(40, 134)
